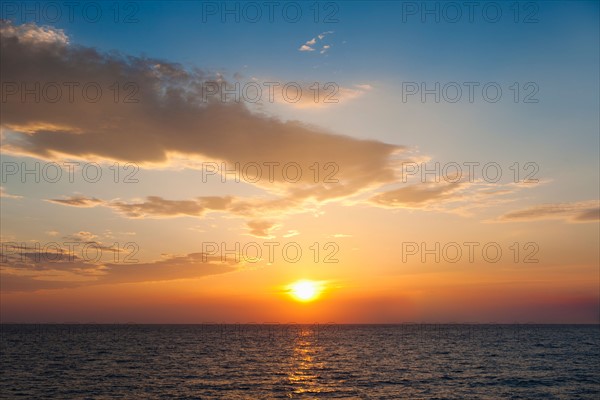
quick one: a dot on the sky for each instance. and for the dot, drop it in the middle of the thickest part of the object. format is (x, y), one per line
(348, 162)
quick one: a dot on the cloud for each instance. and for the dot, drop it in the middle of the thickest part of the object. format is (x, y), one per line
(588, 215)
(308, 45)
(5, 195)
(322, 35)
(462, 197)
(33, 34)
(81, 236)
(78, 201)
(583, 211)
(310, 96)
(172, 118)
(158, 207)
(416, 195)
(261, 229)
(325, 48)
(31, 270)
(305, 47)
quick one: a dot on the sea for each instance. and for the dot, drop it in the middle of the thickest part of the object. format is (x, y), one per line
(294, 361)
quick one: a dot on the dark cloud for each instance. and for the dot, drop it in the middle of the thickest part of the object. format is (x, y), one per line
(30, 270)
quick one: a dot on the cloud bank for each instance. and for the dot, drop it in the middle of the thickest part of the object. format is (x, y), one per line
(172, 117)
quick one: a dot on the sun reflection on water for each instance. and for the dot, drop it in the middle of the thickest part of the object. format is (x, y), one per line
(305, 366)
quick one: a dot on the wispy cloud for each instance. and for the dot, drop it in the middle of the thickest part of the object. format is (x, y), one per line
(583, 211)
(4, 194)
(416, 195)
(464, 197)
(32, 270)
(78, 201)
(81, 236)
(254, 209)
(312, 97)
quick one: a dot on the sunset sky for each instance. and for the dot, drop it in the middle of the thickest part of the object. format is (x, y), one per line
(365, 219)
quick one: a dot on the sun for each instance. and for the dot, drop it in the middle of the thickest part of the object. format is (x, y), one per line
(305, 290)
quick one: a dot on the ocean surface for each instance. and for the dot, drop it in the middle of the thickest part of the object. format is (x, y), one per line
(270, 361)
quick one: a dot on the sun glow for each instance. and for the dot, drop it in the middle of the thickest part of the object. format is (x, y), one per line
(305, 290)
